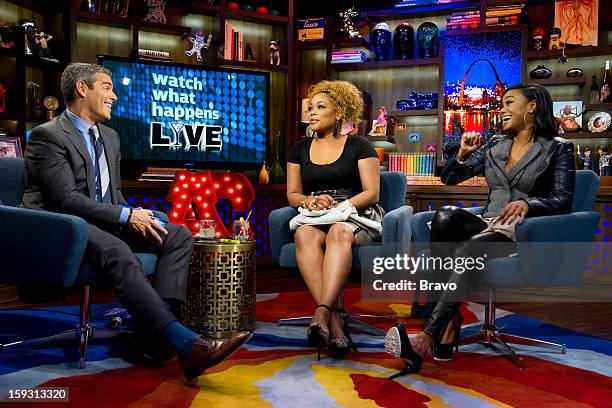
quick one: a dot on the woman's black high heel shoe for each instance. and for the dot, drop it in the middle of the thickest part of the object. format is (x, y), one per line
(398, 345)
(444, 352)
(342, 344)
(318, 337)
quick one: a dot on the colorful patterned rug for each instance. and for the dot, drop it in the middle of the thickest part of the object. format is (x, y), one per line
(276, 369)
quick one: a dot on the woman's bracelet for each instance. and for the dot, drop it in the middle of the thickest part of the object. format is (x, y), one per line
(303, 202)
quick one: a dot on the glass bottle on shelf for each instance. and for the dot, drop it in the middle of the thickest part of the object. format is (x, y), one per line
(594, 94)
(605, 95)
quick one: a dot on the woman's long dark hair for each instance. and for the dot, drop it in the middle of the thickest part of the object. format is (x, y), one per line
(545, 125)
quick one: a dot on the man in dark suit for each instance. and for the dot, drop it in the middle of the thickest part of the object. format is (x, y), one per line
(72, 167)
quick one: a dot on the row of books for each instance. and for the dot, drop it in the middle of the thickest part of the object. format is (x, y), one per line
(463, 20)
(435, 181)
(233, 46)
(510, 14)
(345, 57)
(413, 163)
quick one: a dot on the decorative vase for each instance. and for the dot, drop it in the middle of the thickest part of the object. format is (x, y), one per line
(540, 72)
(427, 37)
(403, 40)
(277, 174)
(380, 41)
(574, 73)
(264, 178)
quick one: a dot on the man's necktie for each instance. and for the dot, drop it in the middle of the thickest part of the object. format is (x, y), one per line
(103, 193)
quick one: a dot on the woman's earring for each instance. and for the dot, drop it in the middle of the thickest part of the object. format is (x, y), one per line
(528, 125)
(337, 128)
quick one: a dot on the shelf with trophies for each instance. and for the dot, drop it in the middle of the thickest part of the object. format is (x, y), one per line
(33, 52)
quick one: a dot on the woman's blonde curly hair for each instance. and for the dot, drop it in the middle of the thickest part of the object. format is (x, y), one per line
(347, 99)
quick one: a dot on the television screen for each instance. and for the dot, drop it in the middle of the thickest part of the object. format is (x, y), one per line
(183, 115)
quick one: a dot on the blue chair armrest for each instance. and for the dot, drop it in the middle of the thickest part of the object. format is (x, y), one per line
(396, 227)
(40, 247)
(564, 245)
(280, 234)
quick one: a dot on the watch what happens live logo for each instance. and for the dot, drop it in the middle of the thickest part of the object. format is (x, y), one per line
(174, 98)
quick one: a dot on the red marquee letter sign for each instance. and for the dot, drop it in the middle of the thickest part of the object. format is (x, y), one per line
(196, 193)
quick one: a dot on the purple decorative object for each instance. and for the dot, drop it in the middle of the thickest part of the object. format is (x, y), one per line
(380, 41)
(427, 37)
(403, 40)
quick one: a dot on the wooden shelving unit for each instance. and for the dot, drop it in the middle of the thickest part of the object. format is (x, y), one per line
(254, 65)
(385, 64)
(104, 19)
(253, 17)
(560, 81)
(589, 51)
(414, 112)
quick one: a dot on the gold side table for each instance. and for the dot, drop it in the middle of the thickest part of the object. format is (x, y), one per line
(221, 289)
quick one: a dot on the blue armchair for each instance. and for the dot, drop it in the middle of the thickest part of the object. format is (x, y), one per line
(396, 231)
(531, 267)
(46, 249)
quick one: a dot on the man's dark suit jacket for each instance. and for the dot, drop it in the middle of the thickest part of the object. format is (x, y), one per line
(60, 174)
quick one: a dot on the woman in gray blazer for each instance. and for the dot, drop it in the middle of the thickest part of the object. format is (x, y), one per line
(530, 172)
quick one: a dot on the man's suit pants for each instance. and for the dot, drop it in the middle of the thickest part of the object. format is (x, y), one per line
(113, 257)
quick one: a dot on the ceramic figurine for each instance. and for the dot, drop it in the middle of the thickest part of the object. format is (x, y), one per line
(403, 40)
(197, 43)
(538, 39)
(379, 125)
(554, 34)
(380, 41)
(427, 37)
(275, 57)
(156, 11)
(585, 158)
(264, 178)
(347, 26)
(248, 52)
(42, 43)
(604, 161)
(29, 29)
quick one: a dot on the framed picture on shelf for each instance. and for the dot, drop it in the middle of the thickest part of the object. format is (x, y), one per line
(569, 115)
(118, 8)
(10, 147)
(476, 75)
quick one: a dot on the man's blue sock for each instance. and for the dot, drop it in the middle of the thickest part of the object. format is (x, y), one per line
(180, 337)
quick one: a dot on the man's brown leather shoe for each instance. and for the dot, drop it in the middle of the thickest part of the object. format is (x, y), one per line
(208, 352)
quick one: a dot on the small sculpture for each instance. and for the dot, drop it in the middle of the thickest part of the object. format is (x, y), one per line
(264, 178)
(275, 58)
(380, 41)
(379, 125)
(586, 159)
(248, 52)
(554, 35)
(403, 39)
(427, 37)
(156, 11)
(347, 26)
(29, 29)
(604, 161)
(538, 39)
(42, 42)
(197, 42)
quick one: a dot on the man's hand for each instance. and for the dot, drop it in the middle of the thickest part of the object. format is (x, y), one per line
(143, 225)
(512, 210)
